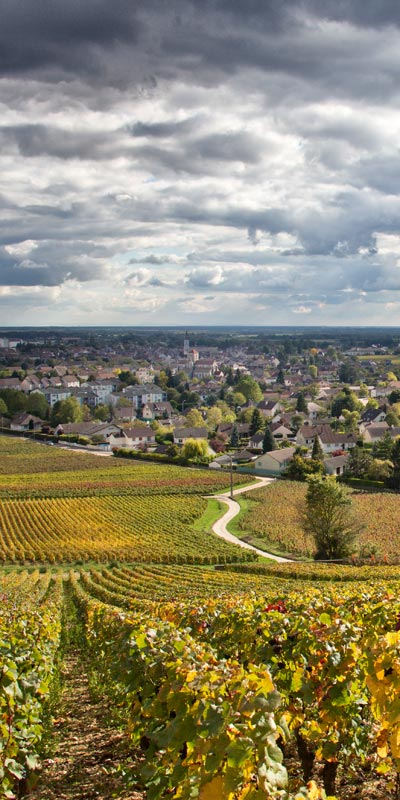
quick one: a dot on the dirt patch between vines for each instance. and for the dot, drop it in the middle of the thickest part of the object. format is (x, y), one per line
(88, 754)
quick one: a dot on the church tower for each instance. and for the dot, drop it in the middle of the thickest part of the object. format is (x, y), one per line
(186, 344)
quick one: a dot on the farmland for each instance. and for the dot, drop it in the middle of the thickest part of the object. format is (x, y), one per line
(274, 520)
(228, 679)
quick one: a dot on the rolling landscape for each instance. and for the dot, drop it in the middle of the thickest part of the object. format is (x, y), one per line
(220, 674)
(199, 400)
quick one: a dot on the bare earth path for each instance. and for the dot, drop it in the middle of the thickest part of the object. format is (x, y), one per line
(87, 752)
(220, 528)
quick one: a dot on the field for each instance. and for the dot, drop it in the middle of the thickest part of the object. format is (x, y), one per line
(104, 510)
(220, 678)
(274, 518)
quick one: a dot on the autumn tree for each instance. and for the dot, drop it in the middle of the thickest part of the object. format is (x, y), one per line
(329, 518)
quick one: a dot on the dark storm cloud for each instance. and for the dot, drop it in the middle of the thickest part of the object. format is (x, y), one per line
(123, 43)
(40, 140)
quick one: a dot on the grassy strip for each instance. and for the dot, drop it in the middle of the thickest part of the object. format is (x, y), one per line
(215, 509)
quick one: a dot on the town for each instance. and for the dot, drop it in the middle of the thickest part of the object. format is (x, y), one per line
(276, 401)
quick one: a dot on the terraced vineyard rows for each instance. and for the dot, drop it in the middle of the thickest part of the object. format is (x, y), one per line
(109, 527)
(213, 675)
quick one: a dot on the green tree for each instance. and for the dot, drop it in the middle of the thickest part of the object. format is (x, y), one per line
(14, 399)
(195, 450)
(392, 419)
(345, 399)
(317, 452)
(236, 399)
(194, 419)
(313, 371)
(268, 442)
(329, 518)
(382, 449)
(299, 468)
(301, 405)
(249, 388)
(393, 481)
(234, 440)
(37, 405)
(68, 410)
(214, 417)
(359, 463)
(350, 420)
(257, 421)
(102, 412)
(280, 378)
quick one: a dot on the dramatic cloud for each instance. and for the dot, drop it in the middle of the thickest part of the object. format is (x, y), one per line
(225, 162)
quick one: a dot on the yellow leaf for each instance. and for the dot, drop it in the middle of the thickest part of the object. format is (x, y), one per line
(190, 676)
(214, 790)
(314, 793)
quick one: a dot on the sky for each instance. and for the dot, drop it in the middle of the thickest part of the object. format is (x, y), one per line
(199, 162)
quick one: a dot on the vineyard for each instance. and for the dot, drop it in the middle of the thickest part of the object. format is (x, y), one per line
(231, 684)
(230, 679)
(275, 513)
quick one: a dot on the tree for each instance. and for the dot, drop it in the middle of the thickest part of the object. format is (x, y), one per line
(345, 399)
(301, 404)
(68, 410)
(250, 388)
(299, 468)
(268, 442)
(329, 518)
(214, 417)
(392, 419)
(280, 378)
(237, 399)
(317, 452)
(256, 422)
(37, 405)
(3, 408)
(194, 419)
(14, 399)
(234, 440)
(382, 449)
(359, 463)
(313, 371)
(195, 449)
(102, 412)
(393, 480)
(350, 420)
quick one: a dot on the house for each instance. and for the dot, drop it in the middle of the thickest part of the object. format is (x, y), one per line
(269, 408)
(313, 409)
(276, 461)
(89, 429)
(26, 422)
(336, 465)
(330, 440)
(256, 442)
(280, 431)
(181, 435)
(374, 415)
(133, 438)
(373, 431)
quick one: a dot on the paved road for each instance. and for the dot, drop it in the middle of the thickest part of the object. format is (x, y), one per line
(219, 526)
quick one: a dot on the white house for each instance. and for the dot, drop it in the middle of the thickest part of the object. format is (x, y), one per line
(276, 461)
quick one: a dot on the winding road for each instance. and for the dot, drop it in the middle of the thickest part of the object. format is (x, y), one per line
(220, 528)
